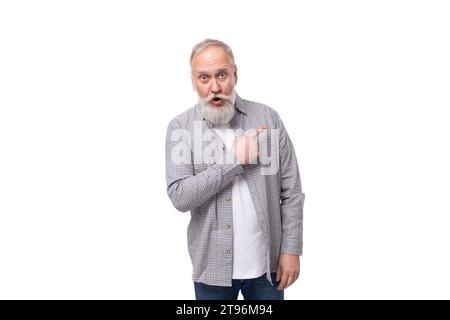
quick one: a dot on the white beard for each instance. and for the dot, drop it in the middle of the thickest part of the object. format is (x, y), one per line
(217, 115)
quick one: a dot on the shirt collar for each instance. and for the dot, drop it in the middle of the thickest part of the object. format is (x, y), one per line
(239, 103)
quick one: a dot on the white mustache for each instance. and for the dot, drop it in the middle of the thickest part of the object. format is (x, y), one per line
(213, 95)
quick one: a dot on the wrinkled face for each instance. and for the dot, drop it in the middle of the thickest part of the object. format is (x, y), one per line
(213, 74)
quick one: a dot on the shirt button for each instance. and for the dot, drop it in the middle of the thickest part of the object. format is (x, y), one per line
(228, 251)
(228, 226)
(227, 199)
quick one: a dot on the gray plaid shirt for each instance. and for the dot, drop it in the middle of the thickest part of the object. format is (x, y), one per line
(205, 189)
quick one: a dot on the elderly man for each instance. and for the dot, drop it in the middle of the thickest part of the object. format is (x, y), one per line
(246, 226)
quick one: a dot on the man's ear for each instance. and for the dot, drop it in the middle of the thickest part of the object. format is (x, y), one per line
(235, 74)
(194, 86)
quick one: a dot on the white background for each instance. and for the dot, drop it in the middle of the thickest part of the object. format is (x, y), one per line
(87, 89)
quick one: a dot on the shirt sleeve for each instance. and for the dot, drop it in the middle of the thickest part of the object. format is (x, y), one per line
(291, 196)
(187, 189)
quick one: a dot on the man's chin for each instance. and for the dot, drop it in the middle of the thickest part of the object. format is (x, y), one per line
(214, 107)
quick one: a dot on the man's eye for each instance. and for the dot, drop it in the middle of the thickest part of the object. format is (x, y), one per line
(222, 75)
(203, 77)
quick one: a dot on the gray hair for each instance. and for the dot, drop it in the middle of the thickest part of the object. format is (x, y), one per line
(211, 42)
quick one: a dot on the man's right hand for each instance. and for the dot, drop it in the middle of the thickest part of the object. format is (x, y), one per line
(245, 147)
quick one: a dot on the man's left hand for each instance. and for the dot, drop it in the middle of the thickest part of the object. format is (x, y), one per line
(288, 270)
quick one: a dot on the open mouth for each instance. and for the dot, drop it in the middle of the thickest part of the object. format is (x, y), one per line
(216, 101)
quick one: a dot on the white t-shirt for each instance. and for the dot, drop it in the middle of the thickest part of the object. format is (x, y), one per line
(249, 250)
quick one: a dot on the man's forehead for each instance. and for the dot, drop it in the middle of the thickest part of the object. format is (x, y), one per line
(212, 69)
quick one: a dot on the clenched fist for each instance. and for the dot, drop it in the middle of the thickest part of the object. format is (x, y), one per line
(245, 147)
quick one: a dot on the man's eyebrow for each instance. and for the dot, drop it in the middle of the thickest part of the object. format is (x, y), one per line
(223, 69)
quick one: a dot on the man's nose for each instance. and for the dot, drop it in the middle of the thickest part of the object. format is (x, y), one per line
(215, 86)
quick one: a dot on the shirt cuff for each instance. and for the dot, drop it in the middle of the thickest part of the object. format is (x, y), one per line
(292, 246)
(232, 165)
